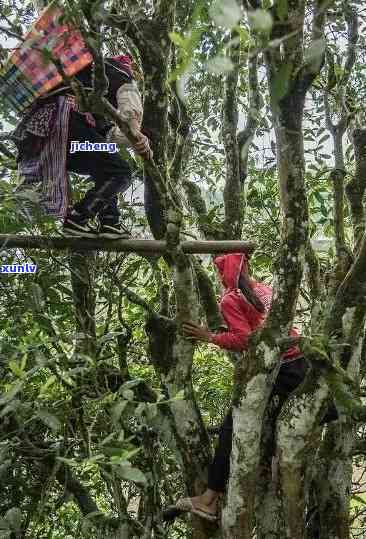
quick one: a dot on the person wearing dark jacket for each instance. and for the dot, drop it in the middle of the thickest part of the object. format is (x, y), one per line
(44, 139)
(244, 306)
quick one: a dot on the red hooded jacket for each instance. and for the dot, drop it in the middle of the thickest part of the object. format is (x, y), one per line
(240, 316)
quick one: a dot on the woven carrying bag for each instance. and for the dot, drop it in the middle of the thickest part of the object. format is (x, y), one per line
(27, 75)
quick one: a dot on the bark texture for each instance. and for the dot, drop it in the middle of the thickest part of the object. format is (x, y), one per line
(356, 186)
(255, 380)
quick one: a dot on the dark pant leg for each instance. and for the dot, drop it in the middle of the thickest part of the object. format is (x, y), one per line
(289, 377)
(110, 173)
(219, 469)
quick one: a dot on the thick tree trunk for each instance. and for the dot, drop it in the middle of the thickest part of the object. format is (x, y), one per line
(296, 427)
(233, 191)
(253, 388)
(253, 381)
(172, 356)
(269, 521)
(334, 480)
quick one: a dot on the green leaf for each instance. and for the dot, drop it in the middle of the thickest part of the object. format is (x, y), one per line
(177, 39)
(226, 13)
(95, 458)
(107, 439)
(179, 396)
(127, 455)
(282, 9)
(358, 499)
(260, 20)
(281, 83)
(9, 395)
(319, 197)
(314, 54)
(219, 64)
(50, 420)
(323, 139)
(187, 48)
(15, 368)
(113, 451)
(129, 473)
(11, 407)
(50, 381)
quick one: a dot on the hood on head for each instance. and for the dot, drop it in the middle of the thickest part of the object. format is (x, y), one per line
(230, 267)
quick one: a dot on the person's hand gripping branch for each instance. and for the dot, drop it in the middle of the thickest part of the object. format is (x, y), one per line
(130, 110)
(196, 332)
(142, 144)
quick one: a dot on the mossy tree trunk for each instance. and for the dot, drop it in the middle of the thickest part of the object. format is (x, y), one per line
(256, 374)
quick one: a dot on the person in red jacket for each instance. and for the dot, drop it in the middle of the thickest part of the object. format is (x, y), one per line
(244, 306)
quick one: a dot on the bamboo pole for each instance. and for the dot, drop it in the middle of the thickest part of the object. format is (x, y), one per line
(9, 241)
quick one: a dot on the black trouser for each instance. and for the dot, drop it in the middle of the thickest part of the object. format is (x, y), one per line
(110, 173)
(289, 378)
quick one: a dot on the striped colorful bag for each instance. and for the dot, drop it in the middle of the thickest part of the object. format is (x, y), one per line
(27, 75)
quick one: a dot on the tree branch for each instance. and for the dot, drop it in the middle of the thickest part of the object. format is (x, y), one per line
(356, 187)
(246, 136)
(319, 18)
(233, 200)
(6, 152)
(313, 272)
(138, 300)
(351, 293)
(198, 204)
(11, 33)
(350, 14)
(127, 246)
(208, 299)
(6, 136)
(181, 128)
(337, 177)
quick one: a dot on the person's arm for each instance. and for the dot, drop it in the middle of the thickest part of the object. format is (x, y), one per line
(131, 110)
(235, 339)
(239, 329)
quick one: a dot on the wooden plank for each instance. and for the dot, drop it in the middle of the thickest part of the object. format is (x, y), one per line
(10, 241)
